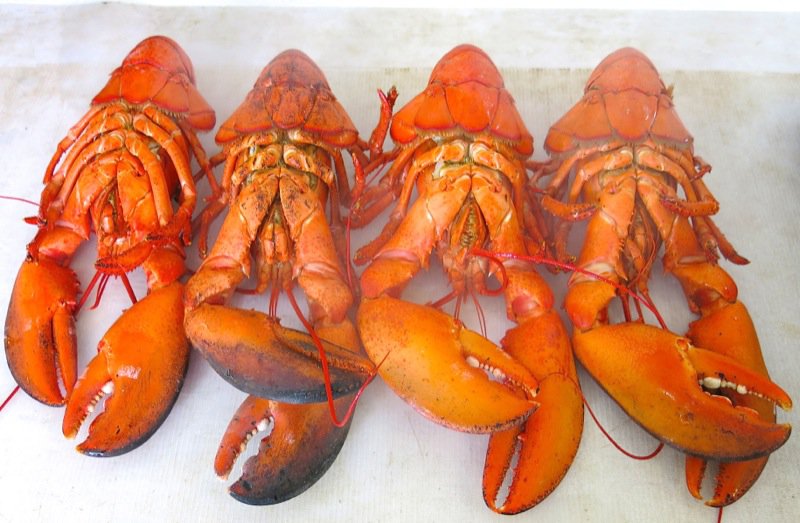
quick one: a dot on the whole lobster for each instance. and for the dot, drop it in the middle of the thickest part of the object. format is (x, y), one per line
(463, 144)
(627, 152)
(282, 150)
(115, 173)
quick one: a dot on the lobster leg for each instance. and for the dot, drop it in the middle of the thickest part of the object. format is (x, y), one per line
(140, 366)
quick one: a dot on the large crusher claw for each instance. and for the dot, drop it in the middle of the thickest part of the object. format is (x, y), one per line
(300, 447)
(140, 366)
(437, 365)
(40, 331)
(659, 378)
(255, 354)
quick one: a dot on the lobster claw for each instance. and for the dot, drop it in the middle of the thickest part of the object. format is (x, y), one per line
(435, 364)
(40, 330)
(656, 377)
(141, 363)
(255, 354)
(547, 442)
(301, 446)
(730, 331)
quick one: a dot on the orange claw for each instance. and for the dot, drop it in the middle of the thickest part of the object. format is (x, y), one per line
(731, 332)
(548, 442)
(40, 331)
(300, 447)
(140, 366)
(431, 361)
(656, 378)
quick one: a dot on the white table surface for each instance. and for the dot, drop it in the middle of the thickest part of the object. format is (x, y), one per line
(737, 89)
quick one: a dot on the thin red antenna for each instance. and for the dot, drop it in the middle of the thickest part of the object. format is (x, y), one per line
(479, 312)
(623, 290)
(503, 281)
(87, 291)
(351, 278)
(444, 300)
(16, 389)
(18, 199)
(326, 370)
(617, 445)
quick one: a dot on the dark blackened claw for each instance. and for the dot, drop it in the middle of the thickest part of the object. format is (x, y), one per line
(301, 446)
(255, 354)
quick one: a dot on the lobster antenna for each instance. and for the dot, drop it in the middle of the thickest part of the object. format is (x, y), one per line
(18, 199)
(8, 399)
(325, 369)
(614, 442)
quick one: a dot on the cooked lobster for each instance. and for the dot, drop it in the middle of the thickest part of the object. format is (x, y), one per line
(282, 150)
(115, 174)
(463, 145)
(629, 157)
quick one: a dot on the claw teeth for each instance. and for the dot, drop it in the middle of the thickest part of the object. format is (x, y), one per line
(493, 372)
(741, 389)
(714, 383)
(261, 426)
(105, 390)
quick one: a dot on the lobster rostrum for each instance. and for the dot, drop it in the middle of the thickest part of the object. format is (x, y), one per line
(115, 174)
(706, 393)
(463, 144)
(282, 150)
